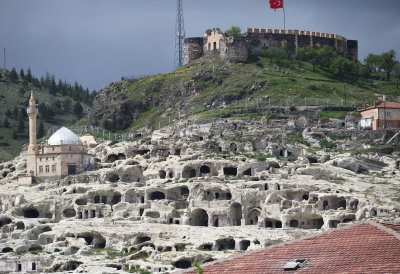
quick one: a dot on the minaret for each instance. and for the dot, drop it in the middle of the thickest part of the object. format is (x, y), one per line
(32, 112)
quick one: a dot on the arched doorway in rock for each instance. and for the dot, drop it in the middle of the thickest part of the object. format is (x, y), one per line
(235, 214)
(253, 216)
(199, 217)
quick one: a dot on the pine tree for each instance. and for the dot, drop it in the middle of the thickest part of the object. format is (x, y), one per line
(21, 91)
(77, 109)
(13, 75)
(41, 131)
(6, 123)
(14, 134)
(29, 75)
(8, 113)
(21, 125)
(15, 112)
(21, 73)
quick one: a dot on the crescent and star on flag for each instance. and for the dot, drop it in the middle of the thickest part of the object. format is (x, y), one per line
(276, 4)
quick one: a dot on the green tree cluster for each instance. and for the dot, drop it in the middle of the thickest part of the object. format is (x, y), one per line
(234, 31)
(385, 62)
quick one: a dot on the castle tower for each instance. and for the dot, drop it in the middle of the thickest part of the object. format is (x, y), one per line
(32, 112)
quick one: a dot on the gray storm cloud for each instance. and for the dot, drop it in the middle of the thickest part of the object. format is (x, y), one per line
(98, 41)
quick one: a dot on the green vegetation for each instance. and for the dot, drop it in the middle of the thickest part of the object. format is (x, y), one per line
(55, 102)
(140, 271)
(313, 76)
(234, 31)
(324, 143)
(296, 137)
(336, 137)
(199, 268)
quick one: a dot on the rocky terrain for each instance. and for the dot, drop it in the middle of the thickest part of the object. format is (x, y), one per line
(197, 191)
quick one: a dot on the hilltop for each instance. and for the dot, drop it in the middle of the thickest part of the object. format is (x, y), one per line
(57, 106)
(210, 88)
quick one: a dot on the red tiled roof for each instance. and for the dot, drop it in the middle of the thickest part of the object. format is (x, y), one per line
(362, 248)
(392, 227)
(383, 105)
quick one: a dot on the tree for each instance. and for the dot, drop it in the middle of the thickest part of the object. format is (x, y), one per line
(276, 54)
(234, 31)
(77, 109)
(372, 62)
(14, 134)
(15, 112)
(396, 73)
(53, 86)
(8, 113)
(6, 123)
(21, 73)
(21, 91)
(29, 75)
(41, 131)
(21, 125)
(309, 54)
(13, 75)
(388, 62)
(326, 55)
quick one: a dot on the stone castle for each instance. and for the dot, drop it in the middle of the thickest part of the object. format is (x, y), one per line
(238, 49)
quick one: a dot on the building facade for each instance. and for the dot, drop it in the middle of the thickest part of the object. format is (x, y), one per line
(63, 154)
(380, 116)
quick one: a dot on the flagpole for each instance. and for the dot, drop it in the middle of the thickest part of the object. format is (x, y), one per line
(284, 15)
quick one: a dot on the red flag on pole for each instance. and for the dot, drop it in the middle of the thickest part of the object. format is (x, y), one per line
(276, 4)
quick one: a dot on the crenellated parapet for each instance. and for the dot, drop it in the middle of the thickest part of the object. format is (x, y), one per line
(237, 49)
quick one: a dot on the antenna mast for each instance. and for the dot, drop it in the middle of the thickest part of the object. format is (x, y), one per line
(179, 34)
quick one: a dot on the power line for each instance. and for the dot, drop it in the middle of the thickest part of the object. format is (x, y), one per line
(179, 34)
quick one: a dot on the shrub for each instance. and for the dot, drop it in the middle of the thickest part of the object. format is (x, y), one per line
(234, 31)
(324, 143)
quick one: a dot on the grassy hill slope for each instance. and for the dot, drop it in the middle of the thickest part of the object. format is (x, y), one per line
(210, 88)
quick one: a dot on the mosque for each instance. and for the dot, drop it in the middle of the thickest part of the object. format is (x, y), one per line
(63, 154)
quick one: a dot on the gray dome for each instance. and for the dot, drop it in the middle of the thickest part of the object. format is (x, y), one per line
(64, 136)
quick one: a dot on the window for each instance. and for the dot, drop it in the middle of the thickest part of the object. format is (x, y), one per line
(388, 114)
(40, 159)
(40, 169)
(53, 158)
(388, 124)
(53, 168)
(47, 158)
(47, 168)
(53, 148)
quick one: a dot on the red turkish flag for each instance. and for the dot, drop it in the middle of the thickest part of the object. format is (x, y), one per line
(276, 4)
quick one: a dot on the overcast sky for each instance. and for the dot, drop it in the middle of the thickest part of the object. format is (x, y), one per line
(98, 41)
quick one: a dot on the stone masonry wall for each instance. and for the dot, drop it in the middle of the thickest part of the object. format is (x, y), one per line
(232, 49)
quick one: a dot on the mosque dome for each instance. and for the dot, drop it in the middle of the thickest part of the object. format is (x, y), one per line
(64, 136)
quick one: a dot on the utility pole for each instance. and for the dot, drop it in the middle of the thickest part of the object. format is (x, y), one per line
(4, 54)
(179, 34)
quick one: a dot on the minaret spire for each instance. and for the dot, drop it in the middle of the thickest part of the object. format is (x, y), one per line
(32, 112)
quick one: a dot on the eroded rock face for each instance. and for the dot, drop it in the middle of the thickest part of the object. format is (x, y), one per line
(193, 192)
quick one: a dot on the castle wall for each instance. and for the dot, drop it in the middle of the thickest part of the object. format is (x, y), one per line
(234, 50)
(352, 49)
(193, 48)
(237, 49)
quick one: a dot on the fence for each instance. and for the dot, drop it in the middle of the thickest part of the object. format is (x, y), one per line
(259, 105)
